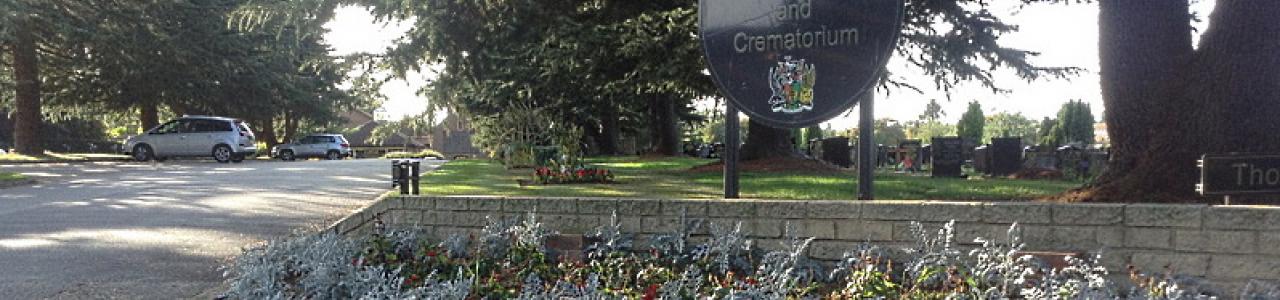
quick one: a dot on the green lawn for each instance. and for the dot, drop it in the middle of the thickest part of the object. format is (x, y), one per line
(670, 178)
(6, 177)
(53, 156)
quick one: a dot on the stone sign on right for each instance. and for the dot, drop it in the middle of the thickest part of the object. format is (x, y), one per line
(1239, 174)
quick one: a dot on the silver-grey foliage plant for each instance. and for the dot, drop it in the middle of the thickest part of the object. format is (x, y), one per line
(328, 266)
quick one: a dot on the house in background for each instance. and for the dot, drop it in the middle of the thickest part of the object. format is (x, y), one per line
(452, 137)
(359, 132)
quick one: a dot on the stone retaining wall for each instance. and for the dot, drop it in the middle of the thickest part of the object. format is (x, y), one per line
(1227, 245)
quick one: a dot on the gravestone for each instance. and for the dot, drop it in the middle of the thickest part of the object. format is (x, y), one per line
(948, 156)
(926, 155)
(1041, 160)
(882, 155)
(1005, 155)
(982, 159)
(835, 150)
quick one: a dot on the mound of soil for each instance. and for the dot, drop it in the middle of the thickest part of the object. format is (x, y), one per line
(774, 164)
(1036, 173)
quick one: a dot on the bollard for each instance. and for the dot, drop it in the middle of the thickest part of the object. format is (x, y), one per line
(417, 172)
(395, 173)
(404, 178)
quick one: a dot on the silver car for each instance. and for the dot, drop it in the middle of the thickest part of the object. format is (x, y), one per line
(224, 139)
(327, 146)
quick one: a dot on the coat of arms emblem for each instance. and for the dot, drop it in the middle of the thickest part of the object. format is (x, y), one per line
(792, 84)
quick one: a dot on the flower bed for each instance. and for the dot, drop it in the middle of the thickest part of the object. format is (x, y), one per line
(551, 175)
(511, 259)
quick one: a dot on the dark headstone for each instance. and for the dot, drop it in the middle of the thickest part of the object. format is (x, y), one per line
(948, 156)
(882, 155)
(982, 159)
(836, 150)
(1005, 155)
(926, 155)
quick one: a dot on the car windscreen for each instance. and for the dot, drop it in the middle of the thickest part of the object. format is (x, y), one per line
(244, 127)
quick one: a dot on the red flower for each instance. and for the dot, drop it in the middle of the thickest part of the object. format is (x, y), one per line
(431, 253)
(651, 292)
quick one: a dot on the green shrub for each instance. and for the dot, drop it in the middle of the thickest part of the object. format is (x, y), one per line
(428, 153)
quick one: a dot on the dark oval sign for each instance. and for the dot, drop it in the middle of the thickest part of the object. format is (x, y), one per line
(796, 63)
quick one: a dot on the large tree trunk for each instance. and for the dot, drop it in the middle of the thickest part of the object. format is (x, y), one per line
(267, 131)
(290, 127)
(26, 71)
(666, 134)
(1142, 44)
(148, 116)
(1238, 68)
(765, 142)
(1167, 104)
(609, 132)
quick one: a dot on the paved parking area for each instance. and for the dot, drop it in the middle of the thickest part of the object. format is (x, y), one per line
(162, 230)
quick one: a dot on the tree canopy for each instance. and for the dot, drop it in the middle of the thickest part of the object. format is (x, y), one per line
(972, 123)
(1006, 124)
(141, 56)
(1074, 125)
(594, 63)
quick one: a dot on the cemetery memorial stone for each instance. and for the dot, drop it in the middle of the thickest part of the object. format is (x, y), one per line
(910, 148)
(947, 156)
(926, 155)
(882, 156)
(835, 150)
(982, 159)
(969, 147)
(815, 148)
(1005, 156)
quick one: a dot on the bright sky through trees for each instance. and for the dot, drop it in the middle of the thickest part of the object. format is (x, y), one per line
(1066, 35)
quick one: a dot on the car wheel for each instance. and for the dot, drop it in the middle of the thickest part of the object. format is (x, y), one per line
(333, 155)
(237, 158)
(142, 153)
(222, 153)
(286, 155)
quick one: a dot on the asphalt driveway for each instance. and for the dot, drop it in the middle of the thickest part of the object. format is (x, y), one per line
(162, 230)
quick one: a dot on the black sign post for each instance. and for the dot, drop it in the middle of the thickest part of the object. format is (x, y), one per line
(797, 63)
(866, 148)
(1239, 174)
(730, 156)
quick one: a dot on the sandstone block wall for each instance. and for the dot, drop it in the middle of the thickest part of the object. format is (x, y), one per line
(1227, 245)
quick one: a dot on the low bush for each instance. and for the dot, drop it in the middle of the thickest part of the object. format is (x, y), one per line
(428, 153)
(510, 259)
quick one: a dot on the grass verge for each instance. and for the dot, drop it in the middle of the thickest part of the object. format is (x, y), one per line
(670, 178)
(10, 178)
(59, 157)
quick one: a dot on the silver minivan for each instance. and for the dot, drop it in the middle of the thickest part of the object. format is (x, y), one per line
(328, 146)
(224, 139)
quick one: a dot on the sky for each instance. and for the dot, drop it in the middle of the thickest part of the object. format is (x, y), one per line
(1065, 35)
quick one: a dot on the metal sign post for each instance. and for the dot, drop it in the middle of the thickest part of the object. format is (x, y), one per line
(730, 157)
(866, 146)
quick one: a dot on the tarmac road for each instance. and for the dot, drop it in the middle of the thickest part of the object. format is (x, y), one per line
(163, 230)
